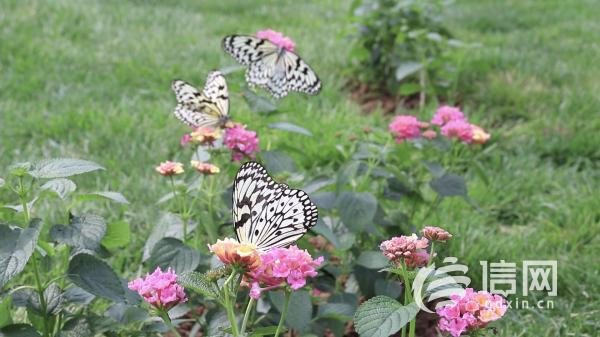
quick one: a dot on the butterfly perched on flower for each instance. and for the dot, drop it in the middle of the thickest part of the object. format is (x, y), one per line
(209, 108)
(267, 214)
(272, 63)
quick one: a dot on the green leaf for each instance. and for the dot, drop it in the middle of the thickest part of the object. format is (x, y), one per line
(76, 327)
(170, 252)
(5, 315)
(117, 235)
(62, 168)
(52, 297)
(449, 185)
(387, 287)
(317, 184)
(76, 295)
(126, 314)
(372, 260)
(324, 200)
(357, 209)
(277, 162)
(383, 316)
(169, 225)
(406, 69)
(84, 232)
(286, 126)
(434, 168)
(16, 246)
(96, 277)
(408, 89)
(299, 311)
(338, 311)
(61, 186)
(19, 330)
(323, 229)
(265, 331)
(114, 196)
(258, 103)
(198, 283)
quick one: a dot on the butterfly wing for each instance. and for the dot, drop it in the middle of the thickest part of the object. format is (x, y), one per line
(216, 91)
(195, 108)
(269, 214)
(279, 71)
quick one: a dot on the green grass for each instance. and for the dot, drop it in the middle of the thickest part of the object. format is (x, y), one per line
(90, 80)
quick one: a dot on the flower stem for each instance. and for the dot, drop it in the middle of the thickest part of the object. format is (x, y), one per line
(431, 253)
(229, 304)
(408, 299)
(182, 208)
(284, 313)
(164, 314)
(36, 272)
(247, 314)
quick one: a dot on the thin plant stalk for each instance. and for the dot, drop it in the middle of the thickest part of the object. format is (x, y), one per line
(247, 315)
(176, 196)
(165, 317)
(286, 305)
(227, 292)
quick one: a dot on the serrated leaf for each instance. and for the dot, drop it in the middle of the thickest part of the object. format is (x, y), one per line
(62, 168)
(52, 297)
(76, 295)
(126, 314)
(383, 316)
(84, 232)
(372, 260)
(114, 196)
(117, 235)
(449, 185)
(169, 225)
(170, 252)
(96, 277)
(290, 127)
(258, 103)
(16, 246)
(19, 208)
(357, 209)
(198, 283)
(61, 186)
(76, 327)
(19, 330)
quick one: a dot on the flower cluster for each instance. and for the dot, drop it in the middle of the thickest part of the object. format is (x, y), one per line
(407, 249)
(469, 311)
(169, 168)
(280, 266)
(436, 234)
(232, 252)
(242, 142)
(452, 124)
(205, 168)
(160, 289)
(276, 38)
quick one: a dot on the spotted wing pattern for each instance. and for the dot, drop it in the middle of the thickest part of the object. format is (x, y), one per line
(277, 70)
(206, 108)
(269, 214)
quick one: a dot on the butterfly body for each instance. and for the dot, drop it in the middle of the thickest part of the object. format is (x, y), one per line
(267, 214)
(206, 108)
(272, 67)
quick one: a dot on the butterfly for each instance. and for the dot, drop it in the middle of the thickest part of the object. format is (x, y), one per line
(271, 66)
(268, 214)
(209, 108)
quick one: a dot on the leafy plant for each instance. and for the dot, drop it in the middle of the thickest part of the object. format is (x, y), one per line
(402, 47)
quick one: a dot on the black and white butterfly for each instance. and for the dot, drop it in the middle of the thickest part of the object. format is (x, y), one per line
(272, 67)
(268, 214)
(207, 108)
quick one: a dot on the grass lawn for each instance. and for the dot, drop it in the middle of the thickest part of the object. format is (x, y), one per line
(90, 79)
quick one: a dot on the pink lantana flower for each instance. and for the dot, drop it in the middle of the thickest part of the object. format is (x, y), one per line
(445, 114)
(185, 139)
(169, 168)
(160, 289)
(205, 168)
(242, 142)
(479, 135)
(409, 250)
(433, 233)
(276, 38)
(405, 127)
(282, 266)
(459, 129)
(470, 311)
